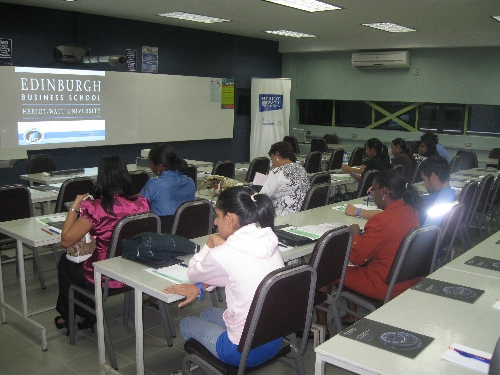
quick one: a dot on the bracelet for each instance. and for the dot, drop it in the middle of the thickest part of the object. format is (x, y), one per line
(358, 212)
(353, 174)
(72, 209)
(202, 292)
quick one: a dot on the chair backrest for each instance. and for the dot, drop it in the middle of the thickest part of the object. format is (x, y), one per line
(336, 160)
(260, 164)
(15, 203)
(313, 162)
(455, 164)
(192, 172)
(356, 158)
(129, 226)
(331, 138)
(319, 144)
(365, 183)
(495, 360)
(293, 142)
(283, 313)
(449, 228)
(40, 163)
(469, 159)
(417, 174)
(495, 195)
(494, 153)
(138, 180)
(224, 168)
(468, 197)
(321, 178)
(70, 189)
(317, 196)
(483, 195)
(330, 256)
(193, 219)
(386, 158)
(416, 256)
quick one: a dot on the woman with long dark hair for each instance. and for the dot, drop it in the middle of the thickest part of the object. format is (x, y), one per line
(111, 200)
(238, 258)
(403, 156)
(171, 188)
(376, 160)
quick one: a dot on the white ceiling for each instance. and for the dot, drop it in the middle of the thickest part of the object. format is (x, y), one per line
(440, 23)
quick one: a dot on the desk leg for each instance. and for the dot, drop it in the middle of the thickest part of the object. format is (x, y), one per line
(100, 322)
(2, 297)
(319, 368)
(139, 333)
(22, 278)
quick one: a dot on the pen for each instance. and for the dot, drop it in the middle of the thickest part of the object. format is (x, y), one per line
(46, 231)
(281, 245)
(367, 199)
(54, 231)
(469, 355)
(183, 264)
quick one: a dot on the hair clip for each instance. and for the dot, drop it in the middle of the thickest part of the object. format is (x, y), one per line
(252, 197)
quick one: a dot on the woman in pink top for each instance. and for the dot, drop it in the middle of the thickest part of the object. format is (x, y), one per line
(238, 258)
(113, 200)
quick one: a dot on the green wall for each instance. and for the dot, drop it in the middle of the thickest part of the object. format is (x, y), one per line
(452, 75)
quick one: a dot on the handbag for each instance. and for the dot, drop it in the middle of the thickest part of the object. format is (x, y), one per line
(219, 183)
(157, 248)
(81, 250)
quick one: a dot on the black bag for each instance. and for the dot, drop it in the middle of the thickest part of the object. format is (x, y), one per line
(157, 248)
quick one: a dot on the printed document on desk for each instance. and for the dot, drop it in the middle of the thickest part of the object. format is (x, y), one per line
(54, 222)
(313, 231)
(176, 274)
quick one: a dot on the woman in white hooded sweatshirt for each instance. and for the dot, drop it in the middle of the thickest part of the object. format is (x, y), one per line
(238, 258)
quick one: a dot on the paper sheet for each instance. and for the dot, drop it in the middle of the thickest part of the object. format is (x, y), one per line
(176, 274)
(497, 305)
(314, 231)
(259, 179)
(453, 356)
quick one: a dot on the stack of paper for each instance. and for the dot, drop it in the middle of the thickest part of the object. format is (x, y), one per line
(313, 231)
(176, 274)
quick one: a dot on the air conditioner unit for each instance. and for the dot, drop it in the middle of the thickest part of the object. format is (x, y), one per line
(388, 60)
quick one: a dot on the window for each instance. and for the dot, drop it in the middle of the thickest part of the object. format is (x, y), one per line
(441, 118)
(484, 119)
(407, 116)
(315, 112)
(353, 113)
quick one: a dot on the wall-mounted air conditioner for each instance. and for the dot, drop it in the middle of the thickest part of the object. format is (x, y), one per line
(388, 60)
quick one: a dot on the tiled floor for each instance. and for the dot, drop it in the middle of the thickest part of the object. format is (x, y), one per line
(20, 349)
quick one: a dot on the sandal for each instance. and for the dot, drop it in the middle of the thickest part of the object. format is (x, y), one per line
(63, 324)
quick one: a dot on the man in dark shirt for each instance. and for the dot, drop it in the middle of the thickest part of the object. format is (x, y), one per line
(435, 173)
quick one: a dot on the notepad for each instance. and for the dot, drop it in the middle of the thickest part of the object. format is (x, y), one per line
(259, 179)
(176, 274)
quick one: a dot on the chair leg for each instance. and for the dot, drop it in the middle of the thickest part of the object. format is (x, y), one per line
(71, 321)
(109, 345)
(214, 298)
(54, 251)
(128, 304)
(219, 295)
(168, 324)
(36, 261)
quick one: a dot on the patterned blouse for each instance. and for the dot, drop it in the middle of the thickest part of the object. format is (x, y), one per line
(287, 186)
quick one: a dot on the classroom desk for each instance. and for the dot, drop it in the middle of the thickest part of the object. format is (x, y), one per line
(448, 321)
(481, 162)
(487, 249)
(43, 197)
(132, 274)
(26, 231)
(42, 179)
(239, 172)
(199, 163)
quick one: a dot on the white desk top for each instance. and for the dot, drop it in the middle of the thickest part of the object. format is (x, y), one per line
(448, 321)
(29, 231)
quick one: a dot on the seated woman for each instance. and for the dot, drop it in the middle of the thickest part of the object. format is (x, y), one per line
(238, 258)
(373, 251)
(172, 187)
(376, 160)
(112, 200)
(403, 156)
(287, 183)
(426, 149)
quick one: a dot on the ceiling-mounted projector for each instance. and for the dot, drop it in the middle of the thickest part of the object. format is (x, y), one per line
(78, 55)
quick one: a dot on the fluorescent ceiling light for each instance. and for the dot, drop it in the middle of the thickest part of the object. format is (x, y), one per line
(389, 27)
(307, 5)
(193, 17)
(496, 17)
(292, 34)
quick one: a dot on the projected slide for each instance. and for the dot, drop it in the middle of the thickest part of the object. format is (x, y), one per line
(60, 106)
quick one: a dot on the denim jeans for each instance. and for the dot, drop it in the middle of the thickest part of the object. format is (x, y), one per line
(205, 329)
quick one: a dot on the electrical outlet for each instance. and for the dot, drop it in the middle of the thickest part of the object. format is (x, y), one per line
(416, 71)
(308, 132)
(468, 144)
(353, 135)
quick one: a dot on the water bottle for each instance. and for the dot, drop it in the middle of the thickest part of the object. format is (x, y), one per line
(345, 160)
